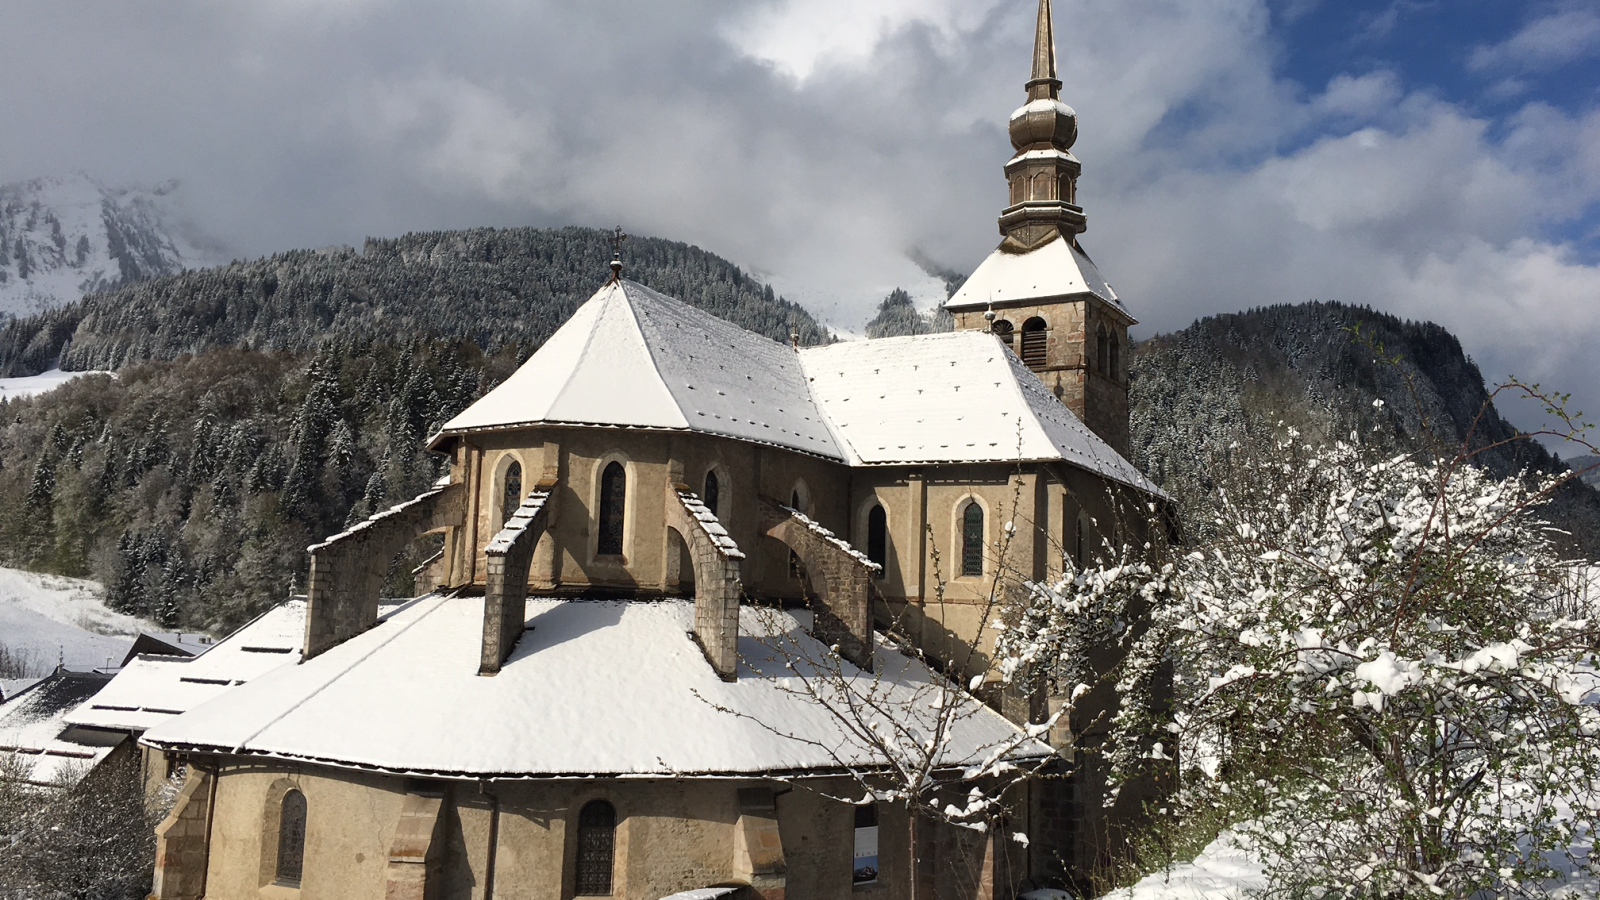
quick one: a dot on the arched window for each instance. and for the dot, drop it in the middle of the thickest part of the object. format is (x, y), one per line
(1041, 186)
(1080, 541)
(291, 839)
(1035, 340)
(597, 831)
(972, 539)
(878, 536)
(511, 496)
(1003, 330)
(1016, 189)
(1102, 349)
(713, 494)
(613, 501)
(1115, 367)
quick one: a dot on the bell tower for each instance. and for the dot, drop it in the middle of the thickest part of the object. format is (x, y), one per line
(1039, 292)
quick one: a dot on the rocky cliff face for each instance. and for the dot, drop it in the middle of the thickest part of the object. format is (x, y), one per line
(61, 238)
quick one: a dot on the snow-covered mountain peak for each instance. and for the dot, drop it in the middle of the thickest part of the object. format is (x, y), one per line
(63, 237)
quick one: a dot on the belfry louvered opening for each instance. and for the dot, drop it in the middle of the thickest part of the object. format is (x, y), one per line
(1035, 340)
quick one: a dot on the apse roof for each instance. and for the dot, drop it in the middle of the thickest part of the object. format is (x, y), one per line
(633, 357)
(594, 687)
(950, 398)
(1058, 269)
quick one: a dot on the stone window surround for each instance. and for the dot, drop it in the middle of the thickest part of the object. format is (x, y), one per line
(724, 489)
(630, 501)
(497, 486)
(271, 821)
(958, 532)
(619, 844)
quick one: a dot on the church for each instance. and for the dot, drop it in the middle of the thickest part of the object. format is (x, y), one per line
(647, 533)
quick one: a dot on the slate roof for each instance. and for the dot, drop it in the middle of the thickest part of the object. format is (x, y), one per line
(593, 688)
(632, 357)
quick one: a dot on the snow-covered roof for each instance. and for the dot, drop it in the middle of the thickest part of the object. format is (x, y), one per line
(946, 398)
(11, 687)
(152, 689)
(1058, 269)
(633, 357)
(33, 728)
(593, 687)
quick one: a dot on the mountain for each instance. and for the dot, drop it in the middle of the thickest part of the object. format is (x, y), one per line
(1588, 467)
(61, 238)
(1320, 368)
(261, 405)
(495, 287)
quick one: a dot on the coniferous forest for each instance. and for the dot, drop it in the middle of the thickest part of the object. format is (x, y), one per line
(260, 406)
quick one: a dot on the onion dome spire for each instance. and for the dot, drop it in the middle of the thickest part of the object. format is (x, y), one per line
(1043, 174)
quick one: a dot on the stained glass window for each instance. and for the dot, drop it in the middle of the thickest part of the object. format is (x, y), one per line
(972, 540)
(713, 493)
(291, 838)
(613, 500)
(597, 830)
(512, 495)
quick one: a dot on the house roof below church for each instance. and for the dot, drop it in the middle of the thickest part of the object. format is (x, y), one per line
(1058, 269)
(593, 687)
(150, 690)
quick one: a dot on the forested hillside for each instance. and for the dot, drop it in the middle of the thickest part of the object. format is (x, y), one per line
(499, 288)
(262, 405)
(1318, 368)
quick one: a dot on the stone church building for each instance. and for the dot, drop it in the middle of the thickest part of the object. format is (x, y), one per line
(649, 530)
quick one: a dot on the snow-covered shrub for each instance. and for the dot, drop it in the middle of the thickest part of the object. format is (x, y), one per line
(1374, 656)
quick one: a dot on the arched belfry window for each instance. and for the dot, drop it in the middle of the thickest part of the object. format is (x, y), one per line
(613, 503)
(291, 839)
(511, 495)
(597, 841)
(713, 494)
(972, 539)
(1115, 367)
(1005, 332)
(1035, 341)
(1102, 349)
(878, 536)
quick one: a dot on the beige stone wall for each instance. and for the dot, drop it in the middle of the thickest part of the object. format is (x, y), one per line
(519, 837)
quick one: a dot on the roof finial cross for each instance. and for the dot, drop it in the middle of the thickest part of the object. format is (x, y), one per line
(617, 237)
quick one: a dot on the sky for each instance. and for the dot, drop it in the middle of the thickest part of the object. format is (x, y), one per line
(1437, 160)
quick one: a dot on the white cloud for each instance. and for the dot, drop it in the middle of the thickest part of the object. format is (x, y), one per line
(797, 36)
(1544, 43)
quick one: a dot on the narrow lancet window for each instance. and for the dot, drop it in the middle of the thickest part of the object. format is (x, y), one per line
(878, 537)
(972, 539)
(1102, 351)
(291, 839)
(511, 497)
(597, 830)
(613, 502)
(713, 493)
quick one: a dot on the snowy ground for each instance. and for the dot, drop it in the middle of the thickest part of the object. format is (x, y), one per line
(1223, 871)
(28, 385)
(53, 619)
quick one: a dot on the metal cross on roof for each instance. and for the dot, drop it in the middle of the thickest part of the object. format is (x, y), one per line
(617, 237)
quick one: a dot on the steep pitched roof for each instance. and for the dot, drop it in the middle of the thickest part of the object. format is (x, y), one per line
(950, 398)
(34, 729)
(593, 687)
(1058, 269)
(632, 357)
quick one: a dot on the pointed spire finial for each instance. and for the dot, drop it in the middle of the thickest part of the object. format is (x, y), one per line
(617, 237)
(1044, 57)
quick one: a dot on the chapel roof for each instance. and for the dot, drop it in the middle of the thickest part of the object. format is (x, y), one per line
(594, 687)
(34, 729)
(951, 398)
